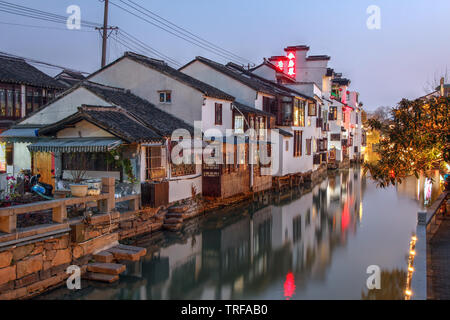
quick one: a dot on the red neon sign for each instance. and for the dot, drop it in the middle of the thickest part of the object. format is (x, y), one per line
(291, 64)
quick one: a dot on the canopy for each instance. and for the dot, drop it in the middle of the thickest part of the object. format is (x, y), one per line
(27, 134)
(75, 145)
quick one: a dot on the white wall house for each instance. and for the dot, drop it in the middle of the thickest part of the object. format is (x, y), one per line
(258, 90)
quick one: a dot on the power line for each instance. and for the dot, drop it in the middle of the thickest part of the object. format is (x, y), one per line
(173, 33)
(43, 27)
(47, 16)
(147, 47)
(34, 61)
(39, 14)
(183, 30)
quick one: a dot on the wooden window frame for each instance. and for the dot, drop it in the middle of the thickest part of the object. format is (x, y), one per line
(310, 114)
(12, 106)
(218, 114)
(308, 147)
(153, 171)
(298, 136)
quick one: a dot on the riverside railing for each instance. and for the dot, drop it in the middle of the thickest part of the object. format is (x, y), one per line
(427, 224)
(106, 202)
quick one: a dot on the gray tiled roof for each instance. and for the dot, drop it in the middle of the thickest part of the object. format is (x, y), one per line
(247, 109)
(160, 121)
(15, 70)
(237, 75)
(113, 120)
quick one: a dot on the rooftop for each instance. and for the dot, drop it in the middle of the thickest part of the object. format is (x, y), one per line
(18, 71)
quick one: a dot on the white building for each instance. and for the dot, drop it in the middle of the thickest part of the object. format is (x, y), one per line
(295, 112)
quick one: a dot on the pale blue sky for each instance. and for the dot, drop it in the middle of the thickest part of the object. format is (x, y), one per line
(384, 65)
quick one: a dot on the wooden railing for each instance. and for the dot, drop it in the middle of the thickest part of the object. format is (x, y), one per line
(106, 202)
(427, 225)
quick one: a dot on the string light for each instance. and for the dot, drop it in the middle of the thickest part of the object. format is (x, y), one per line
(412, 253)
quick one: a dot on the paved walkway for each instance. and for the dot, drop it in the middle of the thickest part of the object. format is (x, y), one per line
(439, 262)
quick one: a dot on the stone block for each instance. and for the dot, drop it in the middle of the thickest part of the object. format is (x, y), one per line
(7, 274)
(29, 266)
(5, 258)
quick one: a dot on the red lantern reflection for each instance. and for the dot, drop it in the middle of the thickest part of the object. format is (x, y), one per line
(289, 286)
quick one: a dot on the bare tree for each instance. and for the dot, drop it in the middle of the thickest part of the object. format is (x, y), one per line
(431, 85)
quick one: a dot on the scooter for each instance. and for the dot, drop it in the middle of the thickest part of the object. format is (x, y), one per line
(43, 189)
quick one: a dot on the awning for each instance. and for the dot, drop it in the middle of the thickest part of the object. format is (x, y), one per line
(75, 145)
(19, 134)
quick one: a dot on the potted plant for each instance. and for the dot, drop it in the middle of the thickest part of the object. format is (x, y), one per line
(77, 187)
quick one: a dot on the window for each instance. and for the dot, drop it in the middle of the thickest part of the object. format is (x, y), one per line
(9, 103)
(287, 145)
(238, 124)
(261, 128)
(335, 137)
(89, 161)
(296, 112)
(17, 103)
(37, 99)
(9, 154)
(308, 147)
(302, 113)
(333, 114)
(218, 114)
(154, 161)
(269, 105)
(2, 102)
(312, 109)
(297, 143)
(165, 96)
(287, 110)
(29, 106)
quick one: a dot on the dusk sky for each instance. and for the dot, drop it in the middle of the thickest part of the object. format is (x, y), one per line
(384, 65)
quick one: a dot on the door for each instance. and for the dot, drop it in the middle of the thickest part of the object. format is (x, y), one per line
(44, 164)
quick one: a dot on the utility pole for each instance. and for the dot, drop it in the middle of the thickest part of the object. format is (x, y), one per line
(105, 34)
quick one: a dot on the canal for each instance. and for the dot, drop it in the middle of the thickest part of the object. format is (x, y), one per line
(314, 243)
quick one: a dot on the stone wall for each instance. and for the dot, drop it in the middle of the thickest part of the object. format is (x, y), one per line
(33, 268)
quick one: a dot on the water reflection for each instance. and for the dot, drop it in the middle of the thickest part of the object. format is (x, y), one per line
(304, 244)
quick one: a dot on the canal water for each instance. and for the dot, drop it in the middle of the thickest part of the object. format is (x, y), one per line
(312, 243)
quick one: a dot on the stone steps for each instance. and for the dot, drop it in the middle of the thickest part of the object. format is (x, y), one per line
(102, 277)
(106, 268)
(126, 254)
(104, 257)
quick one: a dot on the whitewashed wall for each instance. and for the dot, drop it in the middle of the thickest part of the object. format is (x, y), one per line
(145, 82)
(64, 107)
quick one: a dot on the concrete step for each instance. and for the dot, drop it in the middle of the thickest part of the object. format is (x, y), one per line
(109, 278)
(103, 256)
(106, 268)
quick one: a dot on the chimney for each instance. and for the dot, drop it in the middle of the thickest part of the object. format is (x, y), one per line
(442, 87)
